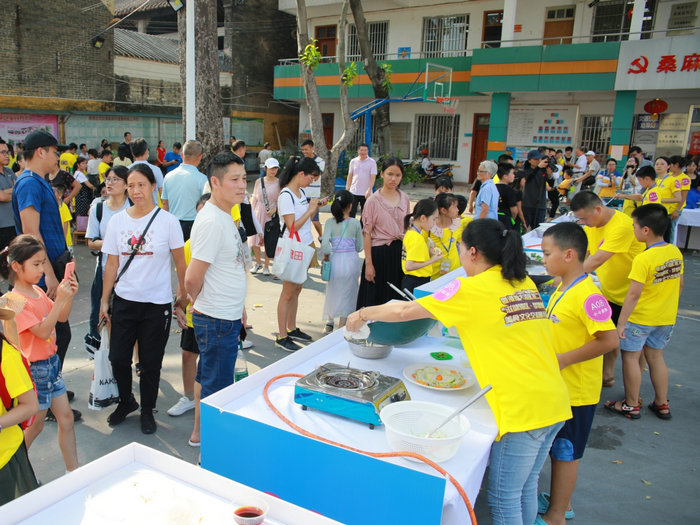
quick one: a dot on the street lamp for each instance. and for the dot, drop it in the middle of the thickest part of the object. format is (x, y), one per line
(176, 4)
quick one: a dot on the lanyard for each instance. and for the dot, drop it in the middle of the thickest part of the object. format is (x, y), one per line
(666, 177)
(578, 279)
(417, 230)
(448, 247)
(646, 192)
(655, 244)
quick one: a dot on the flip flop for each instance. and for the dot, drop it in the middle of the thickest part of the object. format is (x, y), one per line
(624, 410)
(656, 409)
(543, 506)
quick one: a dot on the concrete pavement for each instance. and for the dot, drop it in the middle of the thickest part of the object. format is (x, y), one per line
(640, 472)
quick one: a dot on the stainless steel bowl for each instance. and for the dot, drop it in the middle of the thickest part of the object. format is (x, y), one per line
(367, 349)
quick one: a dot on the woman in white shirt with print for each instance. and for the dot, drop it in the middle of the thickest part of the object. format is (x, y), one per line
(295, 210)
(142, 305)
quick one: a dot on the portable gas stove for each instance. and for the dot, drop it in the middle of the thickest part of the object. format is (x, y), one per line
(349, 392)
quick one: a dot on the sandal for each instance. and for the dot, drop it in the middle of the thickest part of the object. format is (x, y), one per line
(656, 409)
(630, 412)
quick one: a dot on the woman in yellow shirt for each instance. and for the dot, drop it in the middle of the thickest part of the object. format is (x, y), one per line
(504, 329)
(419, 253)
(445, 234)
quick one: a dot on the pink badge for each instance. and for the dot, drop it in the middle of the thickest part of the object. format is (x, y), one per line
(686, 181)
(678, 184)
(653, 197)
(597, 308)
(446, 292)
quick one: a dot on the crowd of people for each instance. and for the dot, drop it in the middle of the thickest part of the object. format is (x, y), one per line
(545, 362)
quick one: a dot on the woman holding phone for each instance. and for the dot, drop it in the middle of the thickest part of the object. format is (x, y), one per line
(295, 211)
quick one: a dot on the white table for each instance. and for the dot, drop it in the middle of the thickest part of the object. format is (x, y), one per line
(245, 399)
(686, 222)
(199, 495)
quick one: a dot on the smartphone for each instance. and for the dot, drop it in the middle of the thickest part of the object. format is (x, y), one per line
(101, 324)
(70, 270)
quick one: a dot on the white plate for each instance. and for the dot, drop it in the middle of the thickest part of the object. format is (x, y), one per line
(467, 373)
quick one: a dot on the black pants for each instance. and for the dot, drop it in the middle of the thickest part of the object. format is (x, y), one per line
(554, 199)
(6, 236)
(149, 325)
(387, 265)
(357, 201)
(410, 282)
(533, 216)
(17, 476)
(186, 229)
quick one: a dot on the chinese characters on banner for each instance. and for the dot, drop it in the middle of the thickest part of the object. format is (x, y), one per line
(671, 63)
(14, 127)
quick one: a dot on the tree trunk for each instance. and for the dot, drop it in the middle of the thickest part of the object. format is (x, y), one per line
(314, 103)
(376, 75)
(208, 113)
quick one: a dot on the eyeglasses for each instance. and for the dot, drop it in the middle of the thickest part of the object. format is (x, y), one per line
(113, 180)
(4, 151)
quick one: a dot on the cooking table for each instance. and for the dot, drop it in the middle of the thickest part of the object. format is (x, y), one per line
(244, 440)
(687, 221)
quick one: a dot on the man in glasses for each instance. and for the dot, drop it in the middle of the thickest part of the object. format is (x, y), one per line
(7, 180)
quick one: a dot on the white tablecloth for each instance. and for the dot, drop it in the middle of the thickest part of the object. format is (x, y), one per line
(467, 466)
(685, 229)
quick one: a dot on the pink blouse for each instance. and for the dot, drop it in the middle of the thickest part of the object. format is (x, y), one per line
(383, 220)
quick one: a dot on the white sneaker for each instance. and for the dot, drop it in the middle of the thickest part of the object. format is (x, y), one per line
(266, 271)
(256, 268)
(184, 404)
(245, 345)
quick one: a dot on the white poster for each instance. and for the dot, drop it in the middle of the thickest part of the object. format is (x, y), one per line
(553, 126)
(659, 63)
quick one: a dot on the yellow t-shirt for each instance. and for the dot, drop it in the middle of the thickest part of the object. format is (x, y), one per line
(415, 248)
(101, 170)
(67, 160)
(188, 258)
(236, 213)
(449, 246)
(508, 339)
(576, 316)
(655, 194)
(66, 217)
(17, 382)
(465, 222)
(684, 181)
(659, 269)
(617, 236)
(666, 186)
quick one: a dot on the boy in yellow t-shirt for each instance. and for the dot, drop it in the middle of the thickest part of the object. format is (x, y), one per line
(583, 331)
(66, 216)
(649, 312)
(419, 254)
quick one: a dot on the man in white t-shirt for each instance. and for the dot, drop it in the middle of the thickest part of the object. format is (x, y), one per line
(216, 280)
(183, 186)
(140, 152)
(265, 153)
(313, 190)
(362, 175)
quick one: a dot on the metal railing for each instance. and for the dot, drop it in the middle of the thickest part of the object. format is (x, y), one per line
(390, 56)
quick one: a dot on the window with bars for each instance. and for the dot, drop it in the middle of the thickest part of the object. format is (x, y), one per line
(595, 133)
(615, 16)
(438, 133)
(445, 36)
(377, 32)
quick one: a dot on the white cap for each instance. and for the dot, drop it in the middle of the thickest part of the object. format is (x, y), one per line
(272, 163)
(590, 152)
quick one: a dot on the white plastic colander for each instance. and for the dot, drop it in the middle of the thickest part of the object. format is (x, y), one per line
(405, 422)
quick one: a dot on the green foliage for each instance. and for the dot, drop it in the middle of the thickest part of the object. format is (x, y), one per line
(311, 57)
(349, 74)
(386, 83)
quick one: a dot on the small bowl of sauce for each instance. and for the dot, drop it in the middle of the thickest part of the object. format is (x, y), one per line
(252, 513)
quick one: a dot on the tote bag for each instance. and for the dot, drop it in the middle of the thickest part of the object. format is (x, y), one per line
(103, 389)
(292, 258)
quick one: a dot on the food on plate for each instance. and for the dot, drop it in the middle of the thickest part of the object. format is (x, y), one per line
(439, 377)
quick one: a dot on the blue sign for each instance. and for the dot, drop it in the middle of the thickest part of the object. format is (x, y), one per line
(645, 123)
(404, 52)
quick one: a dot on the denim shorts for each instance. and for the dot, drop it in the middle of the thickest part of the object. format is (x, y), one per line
(638, 335)
(571, 440)
(48, 380)
(218, 348)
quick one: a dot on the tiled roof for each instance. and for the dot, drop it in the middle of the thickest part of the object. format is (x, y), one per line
(124, 7)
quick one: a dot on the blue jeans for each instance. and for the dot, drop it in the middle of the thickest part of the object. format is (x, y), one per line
(674, 229)
(218, 348)
(514, 470)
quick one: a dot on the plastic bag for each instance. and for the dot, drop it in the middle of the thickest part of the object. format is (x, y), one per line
(103, 389)
(292, 259)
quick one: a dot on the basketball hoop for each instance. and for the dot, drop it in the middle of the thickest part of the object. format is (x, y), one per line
(449, 104)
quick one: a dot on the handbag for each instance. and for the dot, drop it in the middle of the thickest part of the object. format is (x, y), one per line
(292, 258)
(137, 247)
(326, 265)
(103, 388)
(271, 233)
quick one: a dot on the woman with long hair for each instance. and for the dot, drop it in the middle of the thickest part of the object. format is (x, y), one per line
(383, 229)
(295, 211)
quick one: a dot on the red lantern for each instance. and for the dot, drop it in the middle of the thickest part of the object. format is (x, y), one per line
(655, 107)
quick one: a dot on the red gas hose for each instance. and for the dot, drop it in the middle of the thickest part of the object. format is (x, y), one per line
(425, 460)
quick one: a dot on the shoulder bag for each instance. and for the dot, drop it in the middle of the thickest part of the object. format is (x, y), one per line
(272, 229)
(137, 247)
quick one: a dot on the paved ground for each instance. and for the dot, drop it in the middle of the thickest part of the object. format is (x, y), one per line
(640, 472)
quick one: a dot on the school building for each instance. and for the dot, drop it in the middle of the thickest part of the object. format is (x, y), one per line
(476, 78)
